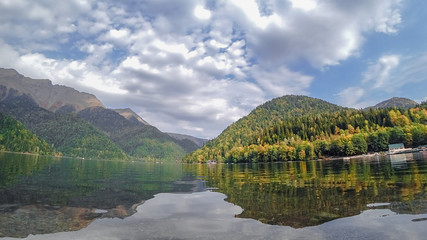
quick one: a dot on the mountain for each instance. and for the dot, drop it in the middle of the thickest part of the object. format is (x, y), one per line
(77, 123)
(130, 115)
(67, 133)
(242, 132)
(199, 141)
(136, 138)
(46, 95)
(314, 129)
(397, 102)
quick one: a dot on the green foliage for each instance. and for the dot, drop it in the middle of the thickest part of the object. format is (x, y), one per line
(67, 133)
(136, 139)
(359, 143)
(245, 130)
(154, 149)
(14, 137)
(316, 133)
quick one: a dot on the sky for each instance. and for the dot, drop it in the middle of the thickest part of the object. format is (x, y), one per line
(196, 66)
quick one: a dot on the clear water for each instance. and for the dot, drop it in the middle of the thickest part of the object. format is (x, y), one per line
(372, 198)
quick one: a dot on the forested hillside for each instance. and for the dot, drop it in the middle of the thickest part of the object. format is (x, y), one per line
(242, 132)
(136, 138)
(66, 133)
(14, 137)
(318, 134)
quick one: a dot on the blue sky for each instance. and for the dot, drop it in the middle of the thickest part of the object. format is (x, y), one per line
(196, 66)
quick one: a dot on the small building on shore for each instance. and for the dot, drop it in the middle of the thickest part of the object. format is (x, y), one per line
(396, 148)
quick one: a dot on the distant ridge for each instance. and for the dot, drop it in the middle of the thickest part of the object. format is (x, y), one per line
(135, 138)
(130, 115)
(398, 102)
(46, 95)
(199, 141)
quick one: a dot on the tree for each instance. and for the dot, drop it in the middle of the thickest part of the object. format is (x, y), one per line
(397, 135)
(359, 143)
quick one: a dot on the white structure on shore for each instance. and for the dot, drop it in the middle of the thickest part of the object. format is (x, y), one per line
(396, 148)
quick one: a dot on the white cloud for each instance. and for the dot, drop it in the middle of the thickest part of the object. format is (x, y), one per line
(250, 9)
(202, 13)
(379, 72)
(332, 31)
(281, 81)
(306, 5)
(188, 66)
(351, 96)
(119, 37)
(387, 20)
(389, 75)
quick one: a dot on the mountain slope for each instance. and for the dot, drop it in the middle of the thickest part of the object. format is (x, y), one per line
(188, 143)
(135, 138)
(46, 95)
(67, 133)
(397, 102)
(242, 132)
(199, 141)
(33, 101)
(14, 137)
(130, 115)
(319, 134)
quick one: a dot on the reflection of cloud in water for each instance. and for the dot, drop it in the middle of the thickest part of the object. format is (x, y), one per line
(205, 215)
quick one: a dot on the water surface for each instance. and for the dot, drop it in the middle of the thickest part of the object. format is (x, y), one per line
(371, 198)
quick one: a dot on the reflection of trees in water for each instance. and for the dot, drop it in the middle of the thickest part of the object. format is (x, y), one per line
(300, 194)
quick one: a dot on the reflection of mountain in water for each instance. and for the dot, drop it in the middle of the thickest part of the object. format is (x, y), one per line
(20, 221)
(300, 194)
(42, 195)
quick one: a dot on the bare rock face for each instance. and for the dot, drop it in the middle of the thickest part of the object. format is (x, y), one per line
(46, 95)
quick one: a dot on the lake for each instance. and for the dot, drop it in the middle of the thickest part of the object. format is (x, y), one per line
(378, 197)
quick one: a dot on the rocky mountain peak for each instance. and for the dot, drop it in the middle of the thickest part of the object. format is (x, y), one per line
(44, 93)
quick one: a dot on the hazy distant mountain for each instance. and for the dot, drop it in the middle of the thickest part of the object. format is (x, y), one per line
(130, 115)
(398, 102)
(199, 141)
(46, 95)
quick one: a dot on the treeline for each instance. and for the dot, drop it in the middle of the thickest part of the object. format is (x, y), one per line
(341, 133)
(321, 126)
(14, 137)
